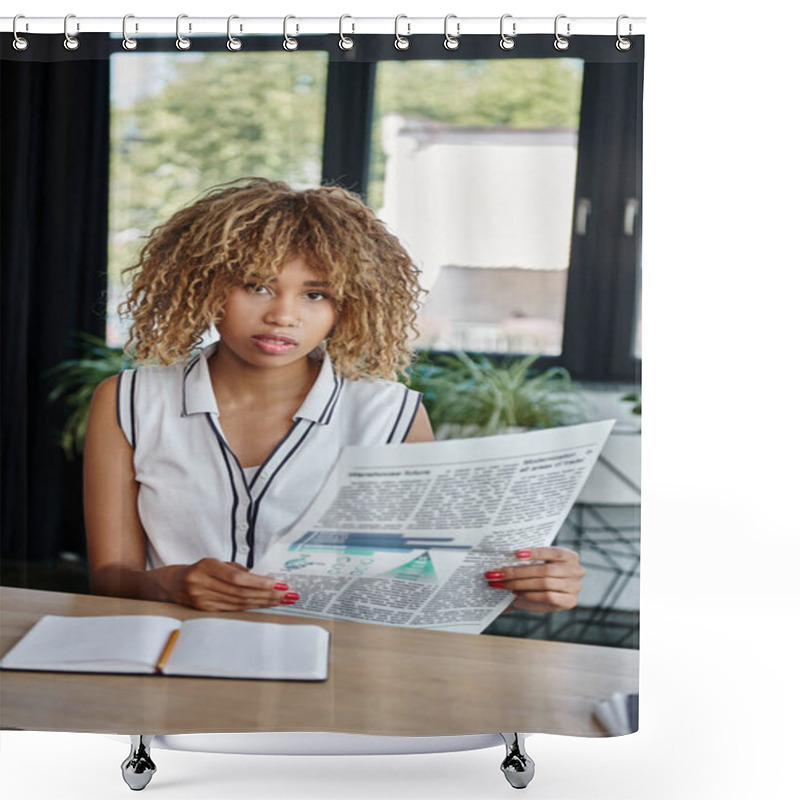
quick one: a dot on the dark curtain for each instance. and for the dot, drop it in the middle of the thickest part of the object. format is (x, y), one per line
(602, 274)
(349, 97)
(53, 198)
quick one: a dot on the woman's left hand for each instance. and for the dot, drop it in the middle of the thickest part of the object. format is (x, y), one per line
(552, 585)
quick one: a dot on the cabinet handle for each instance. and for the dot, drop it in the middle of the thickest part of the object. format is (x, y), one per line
(582, 211)
(629, 217)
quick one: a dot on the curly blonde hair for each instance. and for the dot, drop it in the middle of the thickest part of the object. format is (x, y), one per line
(248, 229)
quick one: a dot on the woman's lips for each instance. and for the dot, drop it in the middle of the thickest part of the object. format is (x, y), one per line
(273, 344)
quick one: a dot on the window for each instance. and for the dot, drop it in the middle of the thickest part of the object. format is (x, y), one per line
(469, 157)
(183, 122)
(473, 165)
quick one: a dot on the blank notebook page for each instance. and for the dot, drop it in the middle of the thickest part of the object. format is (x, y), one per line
(247, 649)
(115, 644)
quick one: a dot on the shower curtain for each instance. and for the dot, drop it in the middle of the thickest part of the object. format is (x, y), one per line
(510, 168)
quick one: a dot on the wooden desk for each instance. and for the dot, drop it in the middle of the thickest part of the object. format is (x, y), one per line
(383, 680)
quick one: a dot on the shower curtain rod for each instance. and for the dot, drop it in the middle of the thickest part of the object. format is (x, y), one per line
(346, 25)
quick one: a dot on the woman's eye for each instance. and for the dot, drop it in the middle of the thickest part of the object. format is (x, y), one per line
(317, 295)
(257, 288)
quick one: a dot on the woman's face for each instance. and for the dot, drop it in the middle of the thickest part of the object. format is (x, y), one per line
(279, 322)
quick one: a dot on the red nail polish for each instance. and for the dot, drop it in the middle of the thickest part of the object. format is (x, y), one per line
(523, 553)
(496, 584)
(286, 602)
(494, 574)
(281, 586)
(291, 596)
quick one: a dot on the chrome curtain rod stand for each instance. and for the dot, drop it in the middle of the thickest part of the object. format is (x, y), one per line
(138, 768)
(517, 766)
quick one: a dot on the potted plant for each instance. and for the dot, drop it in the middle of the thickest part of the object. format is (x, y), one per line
(476, 396)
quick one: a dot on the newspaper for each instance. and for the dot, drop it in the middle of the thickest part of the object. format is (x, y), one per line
(403, 534)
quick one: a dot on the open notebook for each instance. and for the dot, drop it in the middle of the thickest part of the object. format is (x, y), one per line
(209, 647)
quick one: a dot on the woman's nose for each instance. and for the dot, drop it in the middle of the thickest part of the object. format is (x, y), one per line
(282, 310)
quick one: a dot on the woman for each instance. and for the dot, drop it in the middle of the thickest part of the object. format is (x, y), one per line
(194, 464)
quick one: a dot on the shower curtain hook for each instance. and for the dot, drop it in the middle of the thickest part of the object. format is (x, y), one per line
(20, 42)
(507, 42)
(451, 42)
(290, 43)
(401, 42)
(182, 43)
(345, 42)
(233, 44)
(70, 42)
(561, 43)
(622, 43)
(127, 42)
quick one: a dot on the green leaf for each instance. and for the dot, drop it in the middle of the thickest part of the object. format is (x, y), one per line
(473, 396)
(76, 379)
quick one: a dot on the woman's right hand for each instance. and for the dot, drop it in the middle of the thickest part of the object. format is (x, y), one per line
(213, 585)
(116, 542)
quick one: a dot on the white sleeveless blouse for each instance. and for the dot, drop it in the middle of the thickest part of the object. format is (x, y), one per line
(195, 500)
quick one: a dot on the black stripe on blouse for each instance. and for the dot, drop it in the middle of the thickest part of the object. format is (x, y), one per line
(269, 457)
(413, 417)
(133, 415)
(223, 447)
(255, 506)
(399, 416)
(186, 370)
(327, 412)
(119, 409)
